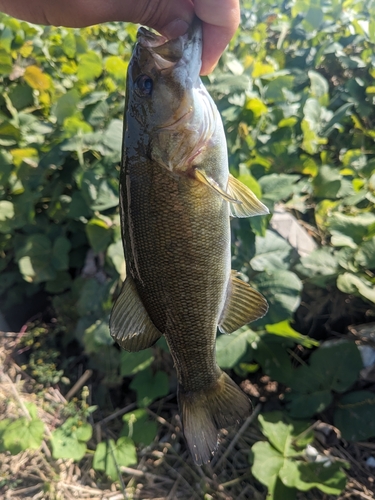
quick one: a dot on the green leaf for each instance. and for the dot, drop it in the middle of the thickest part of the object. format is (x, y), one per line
(116, 67)
(60, 253)
(282, 290)
(149, 386)
(273, 358)
(99, 234)
(327, 183)
(230, 348)
(271, 252)
(67, 105)
(285, 330)
(334, 366)
(110, 456)
(355, 227)
(69, 440)
(306, 405)
(276, 88)
(89, 66)
(267, 464)
(115, 253)
(6, 216)
(365, 255)
(23, 434)
(139, 427)
(357, 285)
(354, 416)
(69, 45)
(34, 259)
(134, 362)
(277, 187)
(329, 478)
(287, 436)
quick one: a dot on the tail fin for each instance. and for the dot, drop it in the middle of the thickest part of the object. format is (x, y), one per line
(205, 412)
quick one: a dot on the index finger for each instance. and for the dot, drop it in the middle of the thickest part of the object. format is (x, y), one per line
(220, 21)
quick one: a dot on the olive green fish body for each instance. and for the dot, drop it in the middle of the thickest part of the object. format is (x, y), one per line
(176, 197)
(181, 266)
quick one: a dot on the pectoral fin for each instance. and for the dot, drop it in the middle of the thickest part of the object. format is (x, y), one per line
(247, 204)
(243, 305)
(201, 175)
(130, 324)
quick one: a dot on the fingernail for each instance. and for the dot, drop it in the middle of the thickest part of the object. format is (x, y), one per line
(174, 29)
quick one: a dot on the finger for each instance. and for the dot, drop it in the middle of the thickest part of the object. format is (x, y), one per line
(220, 21)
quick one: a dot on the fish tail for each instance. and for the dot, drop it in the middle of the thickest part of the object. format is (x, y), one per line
(206, 411)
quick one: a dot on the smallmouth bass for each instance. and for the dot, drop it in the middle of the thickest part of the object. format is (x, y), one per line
(176, 199)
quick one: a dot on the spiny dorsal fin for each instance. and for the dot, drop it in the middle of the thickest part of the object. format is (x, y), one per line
(130, 324)
(248, 205)
(243, 305)
(201, 175)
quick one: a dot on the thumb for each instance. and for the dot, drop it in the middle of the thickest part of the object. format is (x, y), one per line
(171, 18)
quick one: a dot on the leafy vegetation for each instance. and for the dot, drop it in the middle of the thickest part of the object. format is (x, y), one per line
(296, 93)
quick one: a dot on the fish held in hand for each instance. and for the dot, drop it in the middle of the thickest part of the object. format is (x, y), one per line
(176, 199)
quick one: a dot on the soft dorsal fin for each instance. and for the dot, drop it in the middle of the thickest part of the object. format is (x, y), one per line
(130, 324)
(243, 305)
(247, 204)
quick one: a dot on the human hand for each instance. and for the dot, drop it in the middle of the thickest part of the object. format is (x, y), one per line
(170, 17)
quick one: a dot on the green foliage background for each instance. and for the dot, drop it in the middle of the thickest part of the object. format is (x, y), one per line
(296, 92)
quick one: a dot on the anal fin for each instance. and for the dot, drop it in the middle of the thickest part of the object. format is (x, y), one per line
(130, 325)
(243, 305)
(247, 204)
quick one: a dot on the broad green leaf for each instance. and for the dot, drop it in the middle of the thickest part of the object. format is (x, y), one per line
(285, 330)
(355, 227)
(327, 183)
(272, 252)
(99, 234)
(271, 354)
(134, 362)
(115, 253)
(365, 255)
(149, 386)
(60, 253)
(139, 427)
(282, 290)
(329, 478)
(230, 348)
(307, 405)
(69, 45)
(357, 285)
(354, 415)
(34, 259)
(275, 91)
(66, 105)
(110, 456)
(69, 440)
(23, 434)
(267, 464)
(277, 187)
(116, 67)
(287, 436)
(6, 216)
(90, 66)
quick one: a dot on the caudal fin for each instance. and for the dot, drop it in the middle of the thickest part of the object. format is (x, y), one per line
(205, 412)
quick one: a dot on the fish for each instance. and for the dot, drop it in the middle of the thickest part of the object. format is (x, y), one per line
(176, 200)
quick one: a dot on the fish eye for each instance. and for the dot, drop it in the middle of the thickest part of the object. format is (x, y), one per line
(144, 85)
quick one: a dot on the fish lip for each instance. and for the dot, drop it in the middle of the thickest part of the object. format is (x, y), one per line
(148, 39)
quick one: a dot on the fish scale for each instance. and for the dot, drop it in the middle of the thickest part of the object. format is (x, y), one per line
(176, 198)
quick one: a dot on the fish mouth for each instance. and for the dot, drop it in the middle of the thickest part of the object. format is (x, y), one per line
(185, 50)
